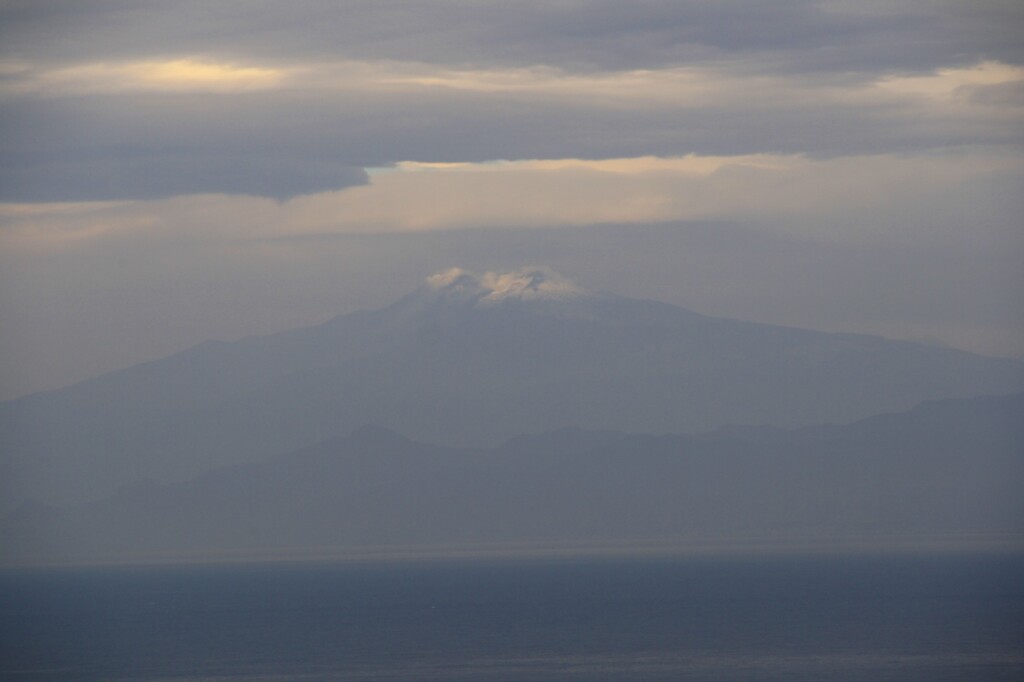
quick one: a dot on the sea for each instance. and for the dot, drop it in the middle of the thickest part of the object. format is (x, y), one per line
(778, 616)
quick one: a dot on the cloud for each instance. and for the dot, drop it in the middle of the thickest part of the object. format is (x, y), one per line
(823, 198)
(834, 36)
(166, 175)
(171, 75)
(524, 284)
(848, 198)
(122, 103)
(317, 127)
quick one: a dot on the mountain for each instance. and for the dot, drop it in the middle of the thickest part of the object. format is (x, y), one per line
(465, 360)
(948, 469)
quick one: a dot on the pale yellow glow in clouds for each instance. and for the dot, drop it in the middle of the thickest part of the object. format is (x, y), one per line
(176, 75)
(942, 93)
(691, 164)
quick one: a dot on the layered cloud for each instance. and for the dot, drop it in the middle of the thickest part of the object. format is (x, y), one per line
(105, 105)
(862, 199)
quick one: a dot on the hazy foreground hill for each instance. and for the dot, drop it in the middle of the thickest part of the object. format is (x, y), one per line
(468, 361)
(949, 469)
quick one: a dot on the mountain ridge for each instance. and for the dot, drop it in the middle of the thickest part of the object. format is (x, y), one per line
(459, 372)
(946, 468)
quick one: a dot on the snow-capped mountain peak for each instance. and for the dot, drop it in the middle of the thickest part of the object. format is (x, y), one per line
(528, 283)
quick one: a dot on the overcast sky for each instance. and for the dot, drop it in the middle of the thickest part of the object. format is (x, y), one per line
(177, 172)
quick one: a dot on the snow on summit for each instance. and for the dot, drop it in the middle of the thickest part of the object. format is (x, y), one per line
(528, 283)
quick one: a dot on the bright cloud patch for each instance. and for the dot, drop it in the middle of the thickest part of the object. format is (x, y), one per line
(175, 75)
(529, 283)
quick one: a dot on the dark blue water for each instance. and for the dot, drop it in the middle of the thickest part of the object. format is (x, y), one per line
(940, 617)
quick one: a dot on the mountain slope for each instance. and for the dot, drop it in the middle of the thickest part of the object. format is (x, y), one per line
(949, 468)
(465, 360)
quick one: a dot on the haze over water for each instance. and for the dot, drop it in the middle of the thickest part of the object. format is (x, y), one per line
(902, 616)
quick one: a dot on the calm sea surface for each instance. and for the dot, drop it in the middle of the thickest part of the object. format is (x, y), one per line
(920, 617)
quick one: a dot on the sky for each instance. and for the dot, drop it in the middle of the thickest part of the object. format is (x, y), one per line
(177, 172)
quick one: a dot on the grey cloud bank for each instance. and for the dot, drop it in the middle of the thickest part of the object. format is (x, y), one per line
(158, 176)
(586, 34)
